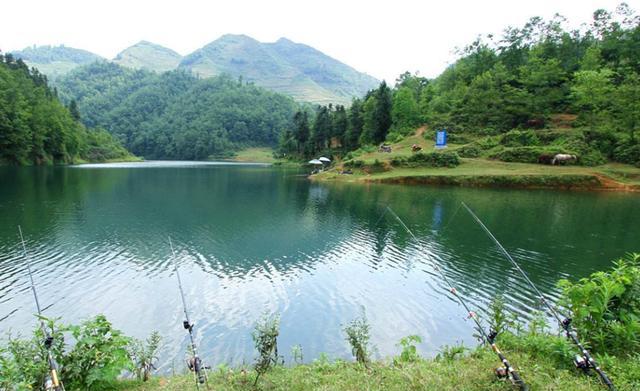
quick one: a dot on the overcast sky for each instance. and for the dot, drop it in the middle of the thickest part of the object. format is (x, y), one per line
(381, 38)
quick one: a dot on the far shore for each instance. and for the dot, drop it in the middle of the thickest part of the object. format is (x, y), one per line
(491, 173)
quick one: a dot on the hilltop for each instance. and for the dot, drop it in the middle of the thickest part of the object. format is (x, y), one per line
(150, 56)
(284, 66)
(55, 61)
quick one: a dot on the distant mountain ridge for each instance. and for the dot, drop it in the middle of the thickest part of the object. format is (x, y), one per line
(55, 61)
(283, 66)
(150, 56)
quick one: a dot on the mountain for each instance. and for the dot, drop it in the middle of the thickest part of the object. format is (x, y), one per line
(150, 56)
(290, 68)
(55, 61)
(284, 66)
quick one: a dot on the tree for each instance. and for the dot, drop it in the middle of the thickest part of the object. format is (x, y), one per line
(321, 129)
(382, 113)
(301, 130)
(591, 92)
(369, 120)
(73, 110)
(340, 125)
(627, 105)
(405, 112)
(355, 124)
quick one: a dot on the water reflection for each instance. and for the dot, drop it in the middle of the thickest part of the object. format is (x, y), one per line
(253, 238)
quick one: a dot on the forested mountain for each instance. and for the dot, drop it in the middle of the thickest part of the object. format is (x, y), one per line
(176, 115)
(536, 90)
(150, 56)
(284, 66)
(55, 61)
(36, 128)
(290, 68)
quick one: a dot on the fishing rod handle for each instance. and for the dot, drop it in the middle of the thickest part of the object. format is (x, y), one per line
(517, 380)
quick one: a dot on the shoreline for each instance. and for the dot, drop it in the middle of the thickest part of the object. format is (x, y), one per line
(483, 173)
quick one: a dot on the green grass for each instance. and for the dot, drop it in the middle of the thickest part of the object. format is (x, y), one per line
(471, 372)
(255, 155)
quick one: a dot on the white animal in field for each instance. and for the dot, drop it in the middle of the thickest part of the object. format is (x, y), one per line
(562, 157)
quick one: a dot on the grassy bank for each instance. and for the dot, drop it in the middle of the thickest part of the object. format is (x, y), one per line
(472, 371)
(481, 171)
(255, 155)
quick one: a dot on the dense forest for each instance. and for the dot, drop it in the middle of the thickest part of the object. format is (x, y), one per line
(176, 115)
(36, 128)
(516, 88)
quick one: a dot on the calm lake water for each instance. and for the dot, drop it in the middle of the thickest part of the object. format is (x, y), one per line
(252, 238)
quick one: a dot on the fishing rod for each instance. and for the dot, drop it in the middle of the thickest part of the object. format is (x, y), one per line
(51, 382)
(584, 362)
(195, 363)
(506, 371)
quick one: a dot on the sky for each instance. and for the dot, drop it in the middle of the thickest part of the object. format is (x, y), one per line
(381, 38)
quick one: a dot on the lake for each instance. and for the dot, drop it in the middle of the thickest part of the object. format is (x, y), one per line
(254, 238)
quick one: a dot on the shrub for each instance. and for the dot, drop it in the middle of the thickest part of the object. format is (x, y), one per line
(520, 138)
(627, 152)
(265, 340)
(605, 307)
(592, 158)
(354, 164)
(99, 355)
(603, 141)
(144, 354)
(470, 150)
(450, 353)
(398, 161)
(358, 337)
(458, 138)
(435, 159)
(394, 137)
(523, 154)
(409, 350)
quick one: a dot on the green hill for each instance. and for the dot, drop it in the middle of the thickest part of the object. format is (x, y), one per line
(55, 61)
(36, 128)
(284, 66)
(175, 115)
(150, 56)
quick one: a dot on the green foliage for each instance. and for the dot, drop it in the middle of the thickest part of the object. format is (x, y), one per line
(605, 307)
(265, 340)
(404, 112)
(296, 354)
(175, 115)
(470, 150)
(498, 317)
(427, 159)
(96, 357)
(36, 128)
(409, 352)
(517, 138)
(144, 354)
(358, 337)
(99, 355)
(450, 353)
(525, 154)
